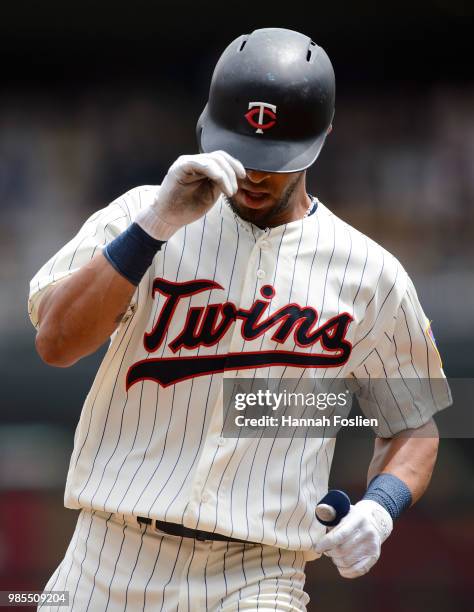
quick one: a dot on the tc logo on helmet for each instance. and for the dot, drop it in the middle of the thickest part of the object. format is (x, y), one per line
(261, 109)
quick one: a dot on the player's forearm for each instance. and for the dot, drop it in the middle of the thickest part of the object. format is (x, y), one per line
(411, 458)
(80, 313)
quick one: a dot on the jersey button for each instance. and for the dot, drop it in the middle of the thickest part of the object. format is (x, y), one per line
(260, 273)
(264, 245)
(205, 497)
(221, 441)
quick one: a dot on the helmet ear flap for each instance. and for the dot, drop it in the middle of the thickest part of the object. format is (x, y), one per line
(199, 128)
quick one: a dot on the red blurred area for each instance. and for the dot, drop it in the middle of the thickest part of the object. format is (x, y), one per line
(34, 530)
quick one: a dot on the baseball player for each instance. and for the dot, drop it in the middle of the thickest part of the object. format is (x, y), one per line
(230, 269)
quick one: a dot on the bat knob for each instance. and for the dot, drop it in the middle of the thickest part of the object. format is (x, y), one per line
(333, 507)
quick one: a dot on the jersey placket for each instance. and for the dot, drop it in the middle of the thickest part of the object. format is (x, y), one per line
(210, 491)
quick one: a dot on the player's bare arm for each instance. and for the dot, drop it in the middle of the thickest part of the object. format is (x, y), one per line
(78, 315)
(409, 455)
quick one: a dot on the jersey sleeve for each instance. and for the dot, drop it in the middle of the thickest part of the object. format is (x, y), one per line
(402, 383)
(100, 229)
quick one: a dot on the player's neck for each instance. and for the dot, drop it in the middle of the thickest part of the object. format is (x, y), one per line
(297, 207)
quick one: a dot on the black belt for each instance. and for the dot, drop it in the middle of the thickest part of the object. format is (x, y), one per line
(185, 532)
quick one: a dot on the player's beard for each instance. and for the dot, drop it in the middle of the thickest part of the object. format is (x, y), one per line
(282, 205)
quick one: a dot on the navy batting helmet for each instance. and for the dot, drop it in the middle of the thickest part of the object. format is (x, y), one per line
(271, 101)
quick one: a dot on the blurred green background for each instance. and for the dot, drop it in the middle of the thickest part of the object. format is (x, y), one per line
(96, 99)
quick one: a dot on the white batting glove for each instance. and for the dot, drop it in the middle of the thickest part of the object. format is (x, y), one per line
(190, 188)
(354, 545)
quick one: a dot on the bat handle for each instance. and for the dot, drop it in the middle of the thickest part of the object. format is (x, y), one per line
(333, 507)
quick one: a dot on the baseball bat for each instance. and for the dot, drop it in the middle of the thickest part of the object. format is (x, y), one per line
(333, 507)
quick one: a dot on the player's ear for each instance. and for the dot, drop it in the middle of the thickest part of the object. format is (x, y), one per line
(329, 130)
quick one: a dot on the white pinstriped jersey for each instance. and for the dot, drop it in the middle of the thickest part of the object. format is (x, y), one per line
(149, 440)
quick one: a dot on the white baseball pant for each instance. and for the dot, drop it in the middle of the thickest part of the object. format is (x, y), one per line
(115, 564)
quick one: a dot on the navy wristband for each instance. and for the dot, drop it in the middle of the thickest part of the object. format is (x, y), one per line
(390, 492)
(132, 252)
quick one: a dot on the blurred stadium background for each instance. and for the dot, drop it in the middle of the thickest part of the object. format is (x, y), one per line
(96, 99)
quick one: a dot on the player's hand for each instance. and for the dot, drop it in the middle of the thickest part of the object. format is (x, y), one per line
(190, 188)
(354, 545)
